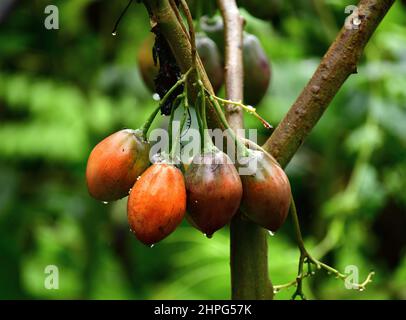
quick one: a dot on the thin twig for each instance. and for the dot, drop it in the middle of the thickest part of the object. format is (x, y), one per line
(306, 257)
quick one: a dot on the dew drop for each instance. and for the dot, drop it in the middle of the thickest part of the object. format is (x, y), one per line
(275, 291)
(312, 273)
(105, 202)
(271, 233)
(129, 191)
(361, 289)
(152, 245)
(138, 178)
(156, 97)
(208, 236)
(196, 201)
(114, 33)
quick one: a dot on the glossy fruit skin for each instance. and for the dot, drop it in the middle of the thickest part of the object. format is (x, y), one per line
(267, 194)
(146, 63)
(115, 163)
(211, 59)
(214, 191)
(257, 70)
(157, 203)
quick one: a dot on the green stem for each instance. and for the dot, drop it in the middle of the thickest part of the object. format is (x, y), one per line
(182, 124)
(170, 125)
(145, 127)
(174, 87)
(200, 99)
(241, 149)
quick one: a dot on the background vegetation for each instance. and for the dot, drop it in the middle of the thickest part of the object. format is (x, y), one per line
(61, 91)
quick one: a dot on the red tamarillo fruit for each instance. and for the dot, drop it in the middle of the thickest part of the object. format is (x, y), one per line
(115, 163)
(214, 191)
(157, 203)
(266, 191)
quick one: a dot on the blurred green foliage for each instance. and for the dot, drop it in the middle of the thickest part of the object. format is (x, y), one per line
(61, 91)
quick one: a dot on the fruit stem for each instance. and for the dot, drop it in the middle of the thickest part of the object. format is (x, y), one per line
(170, 126)
(178, 136)
(145, 127)
(151, 118)
(175, 86)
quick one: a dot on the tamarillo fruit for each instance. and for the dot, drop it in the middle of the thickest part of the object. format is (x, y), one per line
(214, 191)
(157, 203)
(266, 191)
(211, 59)
(257, 70)
(115, 163)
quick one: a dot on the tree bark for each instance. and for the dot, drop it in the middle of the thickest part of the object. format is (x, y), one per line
(248, 241)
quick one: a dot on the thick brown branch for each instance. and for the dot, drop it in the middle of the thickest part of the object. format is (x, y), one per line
(337, 65)
(163, 15)
(248, 242)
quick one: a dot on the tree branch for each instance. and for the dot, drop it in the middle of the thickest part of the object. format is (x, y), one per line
(233, 69)
(337, 65)
(164, 16)
(248, 242)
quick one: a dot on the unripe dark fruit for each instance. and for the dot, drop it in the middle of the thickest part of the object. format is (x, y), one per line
(115, 163)
(214, 191)
(266, 192)
(257, 70)
(211, 59)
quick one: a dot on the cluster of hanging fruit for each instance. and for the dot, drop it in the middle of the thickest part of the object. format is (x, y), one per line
(210, 46)
(210, 190)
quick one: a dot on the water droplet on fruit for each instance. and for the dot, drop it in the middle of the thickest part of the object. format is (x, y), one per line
(129, 191)
(138, 178)
(105, 202)
(271, 233)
